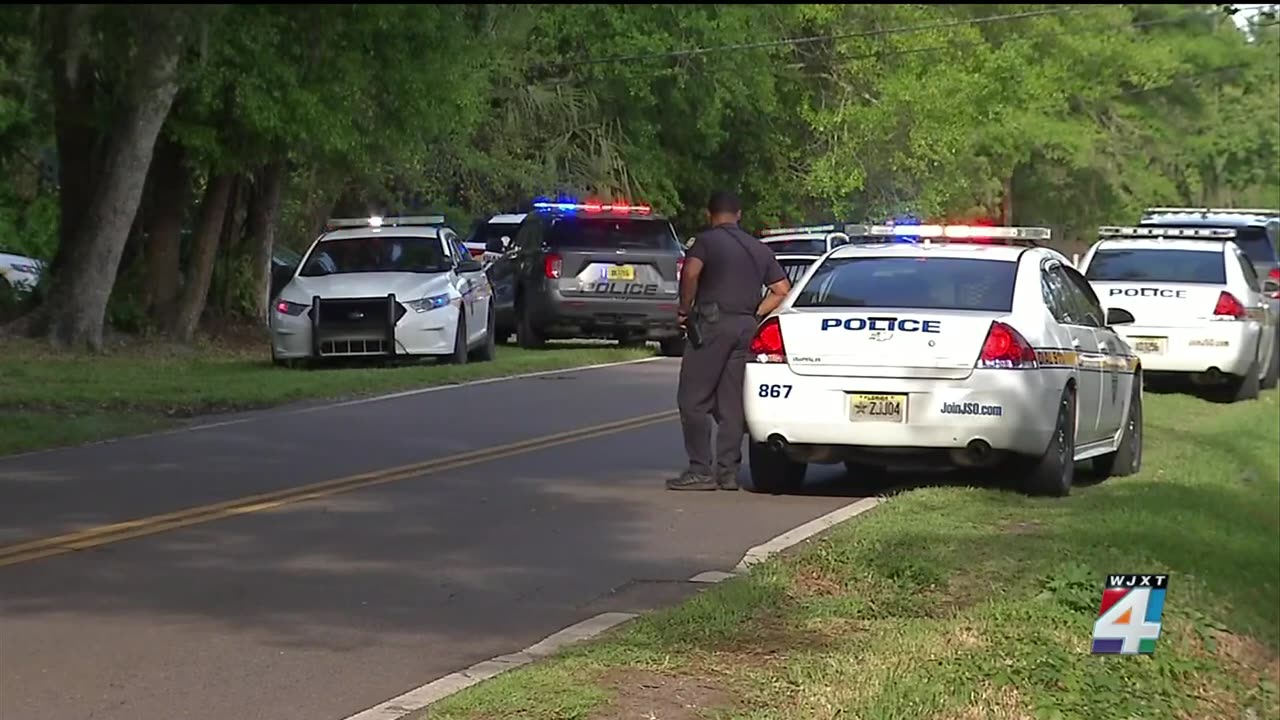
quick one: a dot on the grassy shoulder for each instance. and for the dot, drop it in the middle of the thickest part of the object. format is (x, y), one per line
(52, 399)
(967, 604)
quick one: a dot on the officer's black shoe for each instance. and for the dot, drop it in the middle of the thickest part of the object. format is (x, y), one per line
(691, 481)
(727, 481)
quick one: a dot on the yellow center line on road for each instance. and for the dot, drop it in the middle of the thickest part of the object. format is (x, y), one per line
(117, 532)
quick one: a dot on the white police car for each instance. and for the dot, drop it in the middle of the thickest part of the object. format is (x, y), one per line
(383, 287)
(1197, 301)
(959, 350)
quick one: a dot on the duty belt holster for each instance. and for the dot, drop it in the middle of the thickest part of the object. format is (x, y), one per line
(700, 322)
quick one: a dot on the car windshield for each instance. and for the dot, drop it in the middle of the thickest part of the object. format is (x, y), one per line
(798, 247)
(925, 283)
(581, 232)
(376, 253)
(1152, 265)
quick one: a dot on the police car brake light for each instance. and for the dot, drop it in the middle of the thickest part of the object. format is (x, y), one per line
(1151, 231)
(767, 345)
(1229, 306)
(798, 230)
(1006, 349)
(594, 207)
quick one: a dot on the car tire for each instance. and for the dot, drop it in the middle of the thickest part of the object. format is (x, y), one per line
(1052, 473)
(671, 347)
(773, 472)
(1244, 387)
(487, 351)
(1127, 459)
(459, 355)
(1272, 378)
(527, 336)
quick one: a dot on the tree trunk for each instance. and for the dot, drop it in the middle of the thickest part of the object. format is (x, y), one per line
(171, 192)
(264, 209)
(80, 289)
(204, 251)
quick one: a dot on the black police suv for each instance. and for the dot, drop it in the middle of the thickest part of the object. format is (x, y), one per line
(589, 271)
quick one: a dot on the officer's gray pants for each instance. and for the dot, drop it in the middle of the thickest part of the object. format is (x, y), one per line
(711, 386)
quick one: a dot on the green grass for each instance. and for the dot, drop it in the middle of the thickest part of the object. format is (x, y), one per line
(974, 604)
(51, 399)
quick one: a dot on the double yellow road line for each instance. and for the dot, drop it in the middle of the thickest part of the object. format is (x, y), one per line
(117, 532)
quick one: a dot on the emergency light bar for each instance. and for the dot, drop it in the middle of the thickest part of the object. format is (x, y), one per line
(951, 232)
(1167, 232)
(375, 221)
(798, 230)
(593, 207)
(1212, 211)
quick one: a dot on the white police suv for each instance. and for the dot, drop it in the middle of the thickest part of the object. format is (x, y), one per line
(965, 346)
(1197, 302)
(383, 287)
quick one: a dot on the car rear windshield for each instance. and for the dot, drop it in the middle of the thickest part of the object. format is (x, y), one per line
(1252, 240)
(577, 232)
(925, 283)
(1150, 265)
(795, 267)
(494, 231)
(376, 253)
(798, 247)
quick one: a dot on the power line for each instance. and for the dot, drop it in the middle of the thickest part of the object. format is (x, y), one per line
(815, 38)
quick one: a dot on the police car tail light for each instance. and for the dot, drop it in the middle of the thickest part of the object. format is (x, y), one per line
(552, 265)
(766, 346)
(1005, 348)
(1274, 277)
(1229, 306)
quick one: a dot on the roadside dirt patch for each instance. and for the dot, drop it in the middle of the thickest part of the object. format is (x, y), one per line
(1249, 660)
(647, 695)
(809, 582)
(989, 703)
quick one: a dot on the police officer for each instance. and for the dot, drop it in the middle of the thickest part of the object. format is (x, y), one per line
(720, 308)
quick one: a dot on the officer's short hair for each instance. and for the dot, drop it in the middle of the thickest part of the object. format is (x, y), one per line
(723, 202)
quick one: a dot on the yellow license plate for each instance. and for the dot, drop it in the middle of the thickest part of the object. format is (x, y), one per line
(621, 272)
(878, 408)
(1153, 346)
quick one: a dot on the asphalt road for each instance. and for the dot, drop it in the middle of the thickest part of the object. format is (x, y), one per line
(321, 608)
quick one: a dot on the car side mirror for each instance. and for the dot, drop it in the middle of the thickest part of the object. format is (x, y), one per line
(469, 265)
(1271, 287)
(1119, 316)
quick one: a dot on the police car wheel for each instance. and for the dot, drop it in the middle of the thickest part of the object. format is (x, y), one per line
(459, 355)
(1127, 459)
(1244, 387)
(1053, 473)
(773, 472)
(1272, 377)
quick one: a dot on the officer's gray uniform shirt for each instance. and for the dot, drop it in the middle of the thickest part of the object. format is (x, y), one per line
(735, 266)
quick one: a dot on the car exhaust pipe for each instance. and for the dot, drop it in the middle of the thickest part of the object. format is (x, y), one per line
(777, 443)
(978, 450)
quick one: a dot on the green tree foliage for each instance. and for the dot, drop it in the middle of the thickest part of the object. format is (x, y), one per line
(1063, 115)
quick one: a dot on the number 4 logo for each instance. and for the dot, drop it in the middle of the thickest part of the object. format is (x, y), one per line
(1129, 621)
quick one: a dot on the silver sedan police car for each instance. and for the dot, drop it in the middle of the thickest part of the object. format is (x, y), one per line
(951, 346)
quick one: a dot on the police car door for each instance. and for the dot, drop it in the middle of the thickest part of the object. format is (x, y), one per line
(1116, 378)
(475, 295)
(1070, 309)
(1258, 307)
